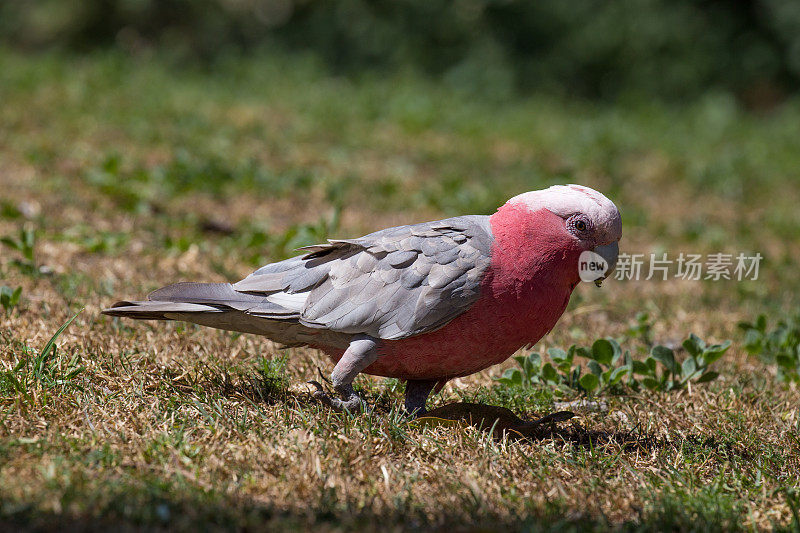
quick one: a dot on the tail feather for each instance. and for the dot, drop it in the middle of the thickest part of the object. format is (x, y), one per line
(218, 305)
(206, 293)
(156, 310)
(200, 298)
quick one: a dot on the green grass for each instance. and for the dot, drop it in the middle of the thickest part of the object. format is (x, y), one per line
(133, 173)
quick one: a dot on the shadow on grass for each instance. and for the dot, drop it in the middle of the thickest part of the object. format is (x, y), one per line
(503, 422)
(256, 388)
(172, 505)
(500, 421)
(198, 515)
(268, 389)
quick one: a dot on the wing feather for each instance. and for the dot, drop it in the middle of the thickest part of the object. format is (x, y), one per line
(390, 284)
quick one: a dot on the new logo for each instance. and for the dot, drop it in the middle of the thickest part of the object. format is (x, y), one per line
(591, 266)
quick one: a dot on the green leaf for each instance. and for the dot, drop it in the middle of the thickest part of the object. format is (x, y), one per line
(9, 298)
(563, 360)
(565, 366)
(557, 354)
(617, 351)
(628, 360)
(674, 384)
(641, 368)
(39, 362)
(651, 383)
(786, 362)
(666, 357)
(527, 369)
(631, 370)
(694, 345)
(573, 378)
(571, 352)
(508, 377)
(549, 373)
(712, 353)
(28, 239)
(617, 375)
(11, 243)
(708, 376)
(15, 296)
(753, 341)
(594, 368)
(584, 352)
(602, 352)
(589, 382)
(688, 367)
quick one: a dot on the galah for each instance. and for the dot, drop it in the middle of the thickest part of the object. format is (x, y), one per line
(423, 303)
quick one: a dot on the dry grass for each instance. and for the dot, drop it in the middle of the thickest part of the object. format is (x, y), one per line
(168, 425)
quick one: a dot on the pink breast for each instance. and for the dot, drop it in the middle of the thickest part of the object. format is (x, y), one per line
(487, 334)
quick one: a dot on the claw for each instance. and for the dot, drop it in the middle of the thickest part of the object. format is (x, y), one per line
(323, 378)
(317, 385)
(350, 400)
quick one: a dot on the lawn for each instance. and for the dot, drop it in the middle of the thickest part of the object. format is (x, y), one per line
(120, 175)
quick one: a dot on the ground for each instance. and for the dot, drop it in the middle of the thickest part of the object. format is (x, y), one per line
(137, 172)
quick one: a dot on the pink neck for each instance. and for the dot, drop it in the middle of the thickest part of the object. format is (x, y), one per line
(531, 248)
(533, 270)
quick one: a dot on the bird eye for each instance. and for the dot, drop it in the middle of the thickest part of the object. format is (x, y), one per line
(580, 225)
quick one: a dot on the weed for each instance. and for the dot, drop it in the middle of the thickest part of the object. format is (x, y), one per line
(101, 242)
(9, 298)
(9, 210)
(608, 365)
(42, 370)
(641, 328)
(779, 346)
(24, 243)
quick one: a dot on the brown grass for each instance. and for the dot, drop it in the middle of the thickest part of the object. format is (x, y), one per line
(172, 426)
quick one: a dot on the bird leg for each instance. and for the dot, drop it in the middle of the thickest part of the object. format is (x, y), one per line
(417, 392)
(361, 353)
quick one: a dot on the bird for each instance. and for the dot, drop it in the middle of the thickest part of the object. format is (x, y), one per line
(424, 303)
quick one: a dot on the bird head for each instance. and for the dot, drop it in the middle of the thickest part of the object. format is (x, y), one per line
(571, 220)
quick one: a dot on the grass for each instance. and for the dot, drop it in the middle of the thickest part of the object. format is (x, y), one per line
(126, 174)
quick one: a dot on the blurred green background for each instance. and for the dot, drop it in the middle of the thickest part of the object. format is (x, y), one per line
(667, 49)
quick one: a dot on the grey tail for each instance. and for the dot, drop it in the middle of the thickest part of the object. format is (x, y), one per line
(155, 310)
(186, 297)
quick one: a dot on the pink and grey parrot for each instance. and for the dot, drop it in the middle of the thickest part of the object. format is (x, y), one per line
(424, 303)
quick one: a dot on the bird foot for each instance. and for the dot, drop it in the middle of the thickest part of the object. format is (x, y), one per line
(350, 401)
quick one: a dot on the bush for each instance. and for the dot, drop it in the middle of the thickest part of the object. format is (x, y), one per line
(667, 48)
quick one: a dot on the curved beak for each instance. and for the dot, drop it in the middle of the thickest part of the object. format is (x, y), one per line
(609, 253)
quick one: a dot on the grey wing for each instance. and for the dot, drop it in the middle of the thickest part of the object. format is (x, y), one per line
(391, 284)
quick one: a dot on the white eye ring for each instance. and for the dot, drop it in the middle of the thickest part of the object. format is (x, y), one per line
(579, 224)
